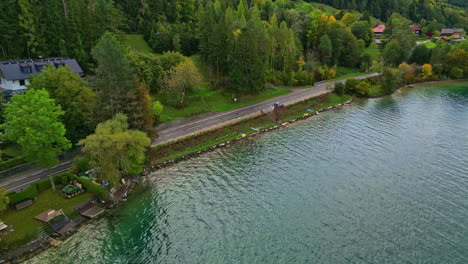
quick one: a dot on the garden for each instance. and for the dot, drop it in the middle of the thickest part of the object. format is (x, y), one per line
(39, 197)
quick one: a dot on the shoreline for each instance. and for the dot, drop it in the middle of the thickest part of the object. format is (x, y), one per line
(413, 85)
(224, 144)
(41, 247)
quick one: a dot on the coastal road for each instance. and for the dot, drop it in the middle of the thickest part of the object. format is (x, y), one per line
(21, 181)
(179, 129)
(216, 120)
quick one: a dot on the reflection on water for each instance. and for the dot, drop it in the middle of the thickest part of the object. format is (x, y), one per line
(380, 181)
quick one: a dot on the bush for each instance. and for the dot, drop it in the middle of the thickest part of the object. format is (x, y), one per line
(7, 164)
(362, 89)
(304, 77)
(456, 73)
(43, 185)
(98, 190)
(157, 110)
(81, 164)
(339, 88)
(28, 193)
(350, 86)
(63, 178)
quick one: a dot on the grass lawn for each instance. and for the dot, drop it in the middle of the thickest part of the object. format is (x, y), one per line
(346, 72)
(204, 100)
(202, 68)
(374, 52)
(137, 42)
(23, 222)
(196, 143)
(430, 45)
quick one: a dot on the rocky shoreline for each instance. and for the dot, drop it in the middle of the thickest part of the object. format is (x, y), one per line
(156, 167)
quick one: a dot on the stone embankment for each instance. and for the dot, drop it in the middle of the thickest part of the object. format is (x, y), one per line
(155, 167)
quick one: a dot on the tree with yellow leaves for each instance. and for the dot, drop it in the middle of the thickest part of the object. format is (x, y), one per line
(426, 71)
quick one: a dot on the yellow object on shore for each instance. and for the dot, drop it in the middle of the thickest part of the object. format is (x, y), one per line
(96, 183)
(306, 114)
(243, 135)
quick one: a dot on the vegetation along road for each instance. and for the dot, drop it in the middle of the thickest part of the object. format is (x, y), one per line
(212, 121)
(184, 128)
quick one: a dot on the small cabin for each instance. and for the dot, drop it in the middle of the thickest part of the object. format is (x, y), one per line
(379, 30)
(416, 30)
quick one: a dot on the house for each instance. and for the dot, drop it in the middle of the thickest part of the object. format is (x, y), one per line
(416, 30)
(455, 32)
(379, 30)
(15, 74)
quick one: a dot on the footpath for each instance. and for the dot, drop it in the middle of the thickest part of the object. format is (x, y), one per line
(173, 131)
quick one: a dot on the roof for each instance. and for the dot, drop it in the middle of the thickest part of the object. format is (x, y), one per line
(22, 69)
(415, 28)
(379, 29)
(451, 30)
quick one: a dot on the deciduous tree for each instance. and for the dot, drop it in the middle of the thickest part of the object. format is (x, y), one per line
(181, 79)
(74, 96)
(32, 120)
(114, 149)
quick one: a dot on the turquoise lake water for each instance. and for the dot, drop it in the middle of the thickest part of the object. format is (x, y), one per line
(379, 181)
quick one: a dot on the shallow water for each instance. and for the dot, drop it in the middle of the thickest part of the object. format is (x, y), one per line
(379, 181)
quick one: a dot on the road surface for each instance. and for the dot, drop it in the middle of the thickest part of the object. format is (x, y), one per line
(183, 128)
(22, 180)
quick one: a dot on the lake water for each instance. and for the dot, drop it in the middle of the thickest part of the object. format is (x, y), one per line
(379, 181)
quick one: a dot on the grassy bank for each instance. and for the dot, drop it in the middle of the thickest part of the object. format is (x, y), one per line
(137, 42)
(204, 100)
(26, 227)
(196, 143)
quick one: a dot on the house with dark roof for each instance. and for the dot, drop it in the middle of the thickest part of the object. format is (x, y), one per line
(15, 74)
(455, 32)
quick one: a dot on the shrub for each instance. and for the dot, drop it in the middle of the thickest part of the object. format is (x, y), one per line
(81, 164)
(7, 164)
(339, 88)
(63, 178)
(304, 77)
(28, 193)
(98, 190)
(350, 86)
(362, 89)
(43, 185)
(157, 110)
(456, 73)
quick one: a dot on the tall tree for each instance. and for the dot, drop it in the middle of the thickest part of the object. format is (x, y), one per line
(32, 121)
(117, 86)
(325, 50)
(127, 148)
(74, 96)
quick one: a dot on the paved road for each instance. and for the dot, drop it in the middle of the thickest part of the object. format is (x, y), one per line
(21, 181)
(180, 129)
(213, 121)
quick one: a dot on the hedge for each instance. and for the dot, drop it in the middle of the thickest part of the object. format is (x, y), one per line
(43, 184)
(7, 164)
(28, 193)
(91, 187)
(63, 178)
